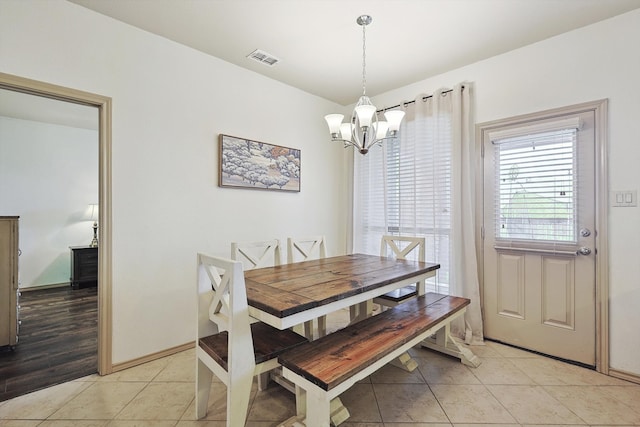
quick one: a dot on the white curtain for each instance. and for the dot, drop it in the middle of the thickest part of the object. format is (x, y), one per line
(464, 271)
(422, 184)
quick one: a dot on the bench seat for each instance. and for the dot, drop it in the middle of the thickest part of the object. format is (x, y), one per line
(337, 357)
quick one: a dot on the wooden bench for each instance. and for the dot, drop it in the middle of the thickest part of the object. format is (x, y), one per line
(325, 368)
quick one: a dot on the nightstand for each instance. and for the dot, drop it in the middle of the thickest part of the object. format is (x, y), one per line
(84, 266)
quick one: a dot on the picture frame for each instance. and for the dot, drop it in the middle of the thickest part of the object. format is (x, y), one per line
(248, 164)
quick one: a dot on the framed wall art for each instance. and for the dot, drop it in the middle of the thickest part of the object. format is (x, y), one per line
(245, 163)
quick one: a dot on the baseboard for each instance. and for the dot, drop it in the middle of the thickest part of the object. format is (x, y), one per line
(41, 287)
(151, 357)
(627, 376)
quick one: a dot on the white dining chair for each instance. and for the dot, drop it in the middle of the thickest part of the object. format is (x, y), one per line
(227, 343)
(302, 249)
(401, 247)
(257, 254)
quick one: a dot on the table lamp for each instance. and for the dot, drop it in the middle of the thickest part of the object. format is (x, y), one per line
(92, 215)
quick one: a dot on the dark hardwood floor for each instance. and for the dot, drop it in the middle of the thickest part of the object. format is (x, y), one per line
(58, 340)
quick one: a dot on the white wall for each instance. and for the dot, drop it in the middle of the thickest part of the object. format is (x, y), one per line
(596, 62)
(170, 103)
(48, 176)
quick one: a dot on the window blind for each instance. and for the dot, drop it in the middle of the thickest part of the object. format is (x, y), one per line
(404, 188)
(536, 183)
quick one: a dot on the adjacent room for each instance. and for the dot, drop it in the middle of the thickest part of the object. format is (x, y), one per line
(459, 170)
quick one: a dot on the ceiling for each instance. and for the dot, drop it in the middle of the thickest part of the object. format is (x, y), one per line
(319, 43)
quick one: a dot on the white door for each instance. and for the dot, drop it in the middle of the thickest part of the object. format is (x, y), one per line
(539, 236)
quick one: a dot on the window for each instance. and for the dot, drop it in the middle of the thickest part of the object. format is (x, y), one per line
(536, 184)
(404, 188)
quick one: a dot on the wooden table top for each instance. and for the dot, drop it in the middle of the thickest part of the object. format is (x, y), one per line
(288, 289)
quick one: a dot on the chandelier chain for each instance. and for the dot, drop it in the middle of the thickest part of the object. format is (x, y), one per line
(364, 60)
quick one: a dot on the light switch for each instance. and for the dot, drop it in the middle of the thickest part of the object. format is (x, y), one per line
(626, 198)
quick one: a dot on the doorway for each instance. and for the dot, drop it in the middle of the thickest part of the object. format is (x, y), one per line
(544, 232)
(103, 105)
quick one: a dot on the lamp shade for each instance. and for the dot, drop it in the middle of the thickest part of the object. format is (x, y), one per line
(91, 214)
(365, 114)
(345, 131)
(394, 118)
(334, 121)
(381, 129)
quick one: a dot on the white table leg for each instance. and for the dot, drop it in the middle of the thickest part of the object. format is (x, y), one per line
(360, 311)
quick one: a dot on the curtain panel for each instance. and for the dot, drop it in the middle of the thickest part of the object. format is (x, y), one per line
(422, 184)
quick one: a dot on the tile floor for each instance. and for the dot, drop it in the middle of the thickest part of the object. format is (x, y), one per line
(510, 388)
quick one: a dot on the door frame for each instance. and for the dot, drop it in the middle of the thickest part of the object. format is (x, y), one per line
(600, 110)
(103, 104)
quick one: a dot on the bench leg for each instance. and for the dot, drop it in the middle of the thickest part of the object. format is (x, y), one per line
(405, 362)
(203, 387)
(444, 343)
(301, 402)
(318, 407)
(339, 412)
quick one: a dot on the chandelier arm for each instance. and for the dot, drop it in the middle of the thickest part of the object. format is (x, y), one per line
(375, 142)
(379, 141)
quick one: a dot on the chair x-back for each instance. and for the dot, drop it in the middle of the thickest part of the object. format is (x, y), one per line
(256, 254)
(302, 249)
(401, 247)
(228, 344)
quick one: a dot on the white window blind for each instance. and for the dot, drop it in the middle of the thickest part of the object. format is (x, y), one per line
(536, 183)
(404, 188)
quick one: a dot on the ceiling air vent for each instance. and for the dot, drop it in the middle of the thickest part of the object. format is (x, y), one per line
(263, 57)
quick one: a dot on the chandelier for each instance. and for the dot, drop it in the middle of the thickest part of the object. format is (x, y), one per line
(364, 130)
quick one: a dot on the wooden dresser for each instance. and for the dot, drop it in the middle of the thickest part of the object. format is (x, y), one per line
(9, 292)
(84, 266)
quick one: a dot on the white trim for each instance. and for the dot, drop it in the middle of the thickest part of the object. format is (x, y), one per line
(103, 103)
(556, 125)
(600, 109)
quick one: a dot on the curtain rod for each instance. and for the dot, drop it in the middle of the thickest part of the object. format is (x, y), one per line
(424, 98)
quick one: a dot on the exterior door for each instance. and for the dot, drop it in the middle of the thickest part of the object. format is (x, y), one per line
(539, 252)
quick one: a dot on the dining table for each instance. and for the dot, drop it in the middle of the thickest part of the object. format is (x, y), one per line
(287, 295)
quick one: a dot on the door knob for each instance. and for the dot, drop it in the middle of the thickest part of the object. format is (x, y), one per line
(583, 251)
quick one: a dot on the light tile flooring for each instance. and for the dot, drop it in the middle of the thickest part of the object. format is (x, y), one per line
(510, 388)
